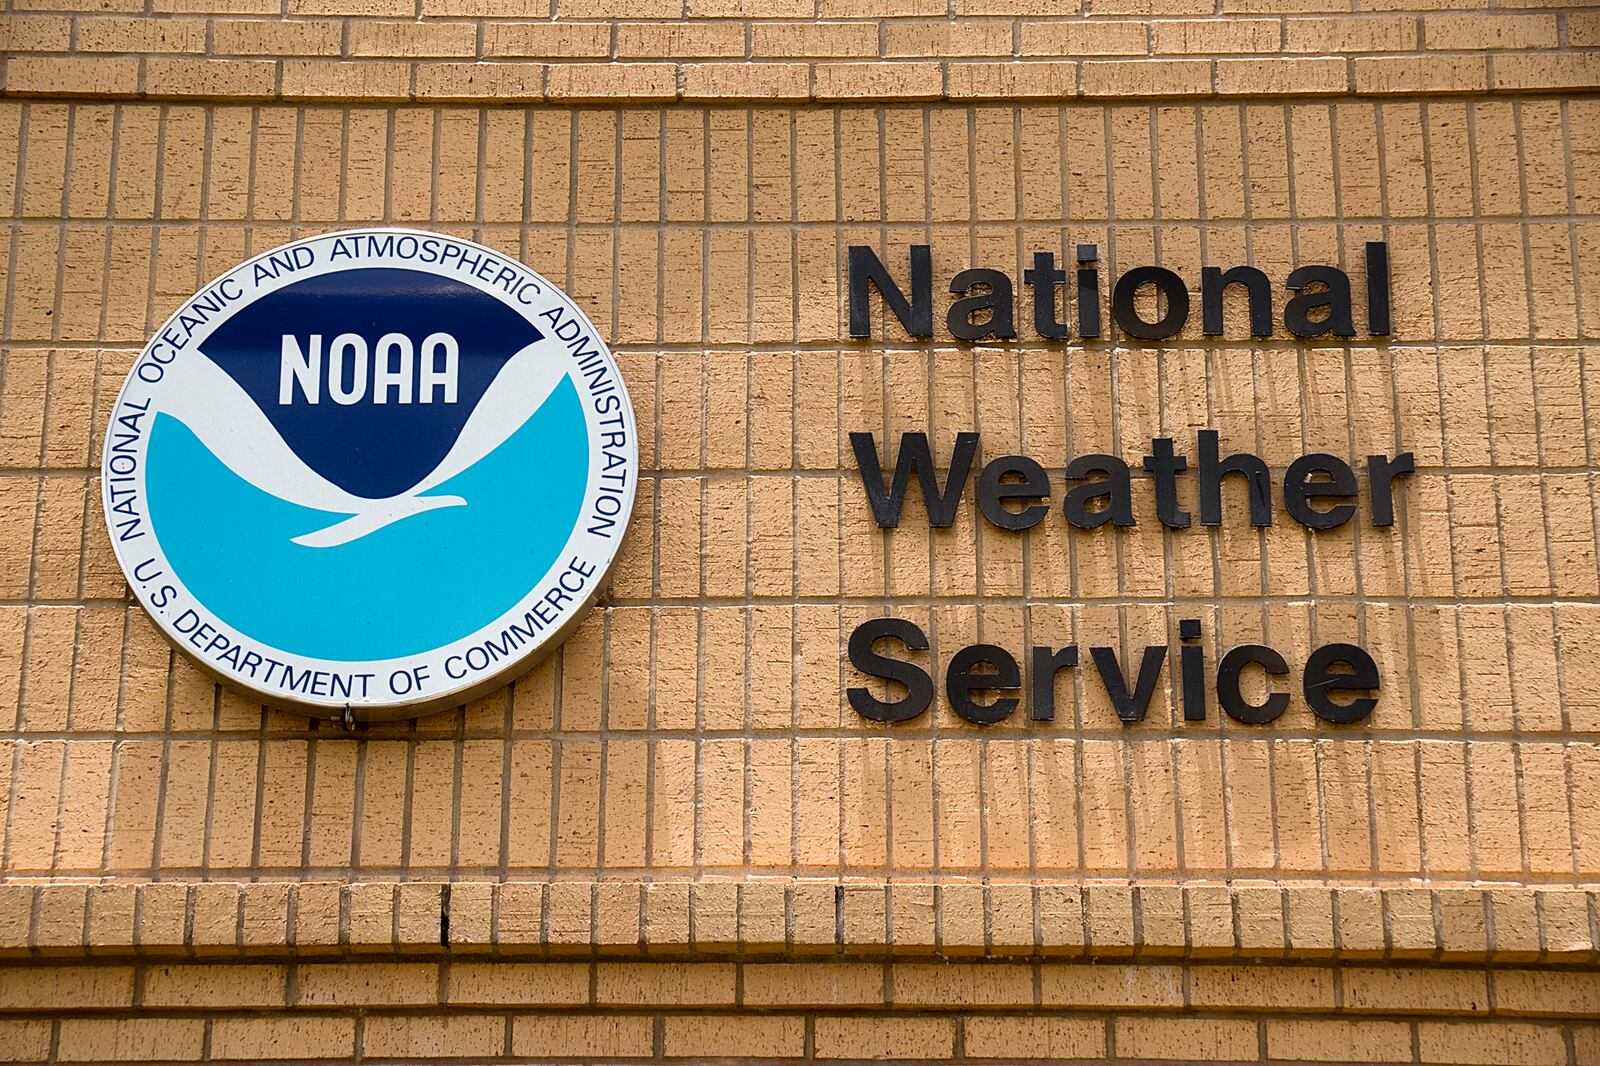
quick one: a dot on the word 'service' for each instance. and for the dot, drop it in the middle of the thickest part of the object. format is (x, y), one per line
(1330, 669)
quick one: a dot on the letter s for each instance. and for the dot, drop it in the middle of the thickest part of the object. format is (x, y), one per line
(919, 686)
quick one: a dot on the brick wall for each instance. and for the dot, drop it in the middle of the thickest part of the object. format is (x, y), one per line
(698, 724)
(184, 875)
(655, 50)
(816, 1011)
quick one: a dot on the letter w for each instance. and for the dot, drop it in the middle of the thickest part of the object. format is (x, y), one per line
(914, 454)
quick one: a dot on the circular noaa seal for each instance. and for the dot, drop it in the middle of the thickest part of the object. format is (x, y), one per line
(373, 472)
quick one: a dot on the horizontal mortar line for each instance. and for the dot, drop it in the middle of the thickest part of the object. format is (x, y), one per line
(881, 1009)
(1191, 100)
(874, 877)
(871, 346)
(910, 225)
(749, 874)
(1042, 20)
(955, 730)
(292, 956)
(1023, 346)
(1067, 17)
(890, 600)
(1059, 473)
(853, 474)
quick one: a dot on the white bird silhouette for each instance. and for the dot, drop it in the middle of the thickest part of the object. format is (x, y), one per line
(202, 396)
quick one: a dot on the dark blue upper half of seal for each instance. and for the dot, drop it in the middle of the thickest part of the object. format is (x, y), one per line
(369, 448)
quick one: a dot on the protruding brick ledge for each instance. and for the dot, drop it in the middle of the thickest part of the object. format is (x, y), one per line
(803, 918)
(876, 81)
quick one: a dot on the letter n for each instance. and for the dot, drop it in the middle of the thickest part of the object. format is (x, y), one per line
(865, 267)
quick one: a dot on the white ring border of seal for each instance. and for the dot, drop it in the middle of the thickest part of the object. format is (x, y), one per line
(439, 691)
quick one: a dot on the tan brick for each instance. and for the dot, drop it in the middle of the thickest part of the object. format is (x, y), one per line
(1262, 987)
(798, 40)
(282, 1037)
(542, 40)
(727, 1036)
(745, 81)
(330, 80)
(1251, 77)
(131, 1039)
(1010, 1037)
(490, 984)
(945, 40)
(1472, 33)
(65, 988)
(1336, 1041)
(371, 910)
(822, 984)
(906, 81)
(1583, 29)
(111, 916)
(369, 8)
(1111, 985)
(1573, 70)
(29, 75)
(1230, 36)
(1499, 1042)
(600, 81)
(1403, 74)
(1010, 80)
(480, 81)
(679, 41)
(884, 1038)
(1565, 923)
(35, 33)
(406, 40)
(471, 915)
(1181, 77)
(1198, 1038)
(190, 986)
(484, 9)
(163, 914)
(302, 37)
(316, 914)
(141, 35)
(1516, 924)
(434, 1037)
(1546, 992)
(1084, 39)
(59, 918)
(744, 9)
(654, 9)
(763, 915)
(961, 913)
(1422, 990)
(962, 984)
(367, 984)
(680, 984)
(553, 1036)
(25, 1041)
(1345, 34)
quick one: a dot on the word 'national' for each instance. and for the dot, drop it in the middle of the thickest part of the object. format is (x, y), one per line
(1320, 306)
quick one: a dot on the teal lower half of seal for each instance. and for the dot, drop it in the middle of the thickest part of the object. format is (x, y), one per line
(421, 583)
